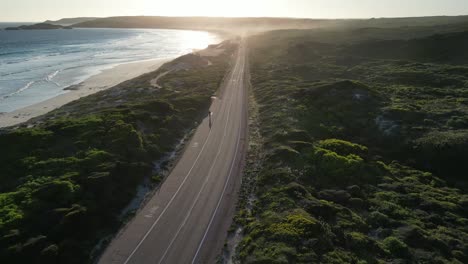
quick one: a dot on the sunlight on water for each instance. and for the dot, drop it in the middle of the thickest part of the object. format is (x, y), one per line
(38, 65)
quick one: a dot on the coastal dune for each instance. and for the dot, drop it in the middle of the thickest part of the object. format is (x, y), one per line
(104, 80)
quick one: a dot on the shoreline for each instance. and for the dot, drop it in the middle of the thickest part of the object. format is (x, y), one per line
(104, 80)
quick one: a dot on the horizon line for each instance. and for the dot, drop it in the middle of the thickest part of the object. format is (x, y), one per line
(277, 17)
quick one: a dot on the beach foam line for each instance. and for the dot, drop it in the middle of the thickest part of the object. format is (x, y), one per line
(48, 78)
(52, 75)
(104, 80)
(27, 86)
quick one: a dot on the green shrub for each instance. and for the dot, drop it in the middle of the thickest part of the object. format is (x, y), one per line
(295, 227)
(342, 147)
(378, 219)
(156, 179)
(396, 247)
(333, 168)
(338, 257)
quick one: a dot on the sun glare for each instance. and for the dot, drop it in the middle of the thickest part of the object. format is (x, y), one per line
(197, 39)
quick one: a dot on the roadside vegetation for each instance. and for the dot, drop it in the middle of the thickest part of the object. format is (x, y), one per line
(364, 143)
(65, 178)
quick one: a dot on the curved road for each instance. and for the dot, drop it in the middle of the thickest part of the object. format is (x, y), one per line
(186, 220)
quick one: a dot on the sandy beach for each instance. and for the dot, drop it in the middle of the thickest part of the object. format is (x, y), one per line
(104, 80)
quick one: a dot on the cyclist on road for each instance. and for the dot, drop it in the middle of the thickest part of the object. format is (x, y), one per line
(209, 116)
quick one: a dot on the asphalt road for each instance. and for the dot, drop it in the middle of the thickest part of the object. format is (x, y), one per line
(186, 221)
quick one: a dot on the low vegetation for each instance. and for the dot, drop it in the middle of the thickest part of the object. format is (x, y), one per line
(66, 177)
(364, 143)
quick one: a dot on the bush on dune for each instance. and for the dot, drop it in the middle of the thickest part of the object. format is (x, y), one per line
(380, 169)
(65, 181)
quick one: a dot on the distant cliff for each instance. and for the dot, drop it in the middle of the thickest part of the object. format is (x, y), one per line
(266, 23)
(70, 21)
(38, 27)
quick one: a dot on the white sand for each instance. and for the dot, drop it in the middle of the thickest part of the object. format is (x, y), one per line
(104, 80)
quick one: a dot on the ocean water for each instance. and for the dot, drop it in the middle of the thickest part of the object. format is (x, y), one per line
(36, 65)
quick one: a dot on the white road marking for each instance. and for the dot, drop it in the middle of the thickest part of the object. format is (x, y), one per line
(206, 181)
(219, 202)
(169, 203)
(201, 189)
(172, 198)
(220, 199)
(152, 211)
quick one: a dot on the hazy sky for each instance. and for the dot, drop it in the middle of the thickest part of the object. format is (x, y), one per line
(39, 10)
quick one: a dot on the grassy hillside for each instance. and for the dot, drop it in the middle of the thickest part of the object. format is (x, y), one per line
(66, 177)
(361, 150)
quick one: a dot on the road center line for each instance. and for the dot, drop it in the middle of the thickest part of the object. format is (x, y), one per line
(169, 203)
(219, 201)
(175, 194)
(201, 189)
